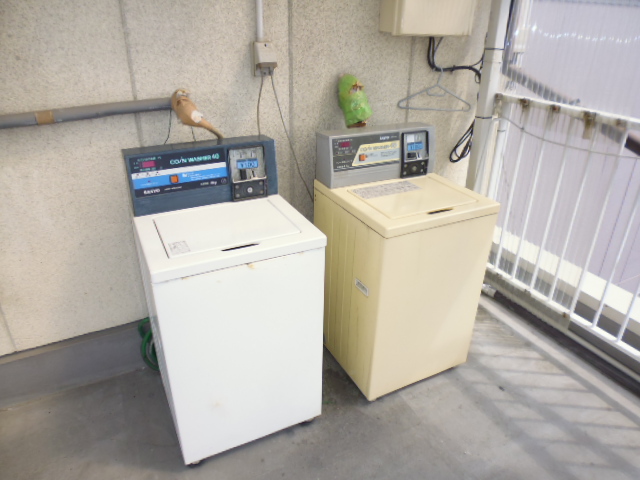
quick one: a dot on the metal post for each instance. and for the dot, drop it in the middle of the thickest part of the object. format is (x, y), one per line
(574, 214)
(498, 153)
(554, 201)
(527, 216)
(615, 265)
(627, 317)
(603, 210)
(525, 121)
(491, 74)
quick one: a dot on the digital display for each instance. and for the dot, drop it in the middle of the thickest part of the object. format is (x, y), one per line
(249, 163)
(344, 144)
(415, 146)
(149, 164)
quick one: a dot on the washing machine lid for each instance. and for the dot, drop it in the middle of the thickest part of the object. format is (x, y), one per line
(407, 198)
(197, 240)
(399, 207)
(224, 227)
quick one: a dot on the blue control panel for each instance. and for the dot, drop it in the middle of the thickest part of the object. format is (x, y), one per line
(167, 173)
(173, 177)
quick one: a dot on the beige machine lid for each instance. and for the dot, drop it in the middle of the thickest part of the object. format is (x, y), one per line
(407, 198)
(399, 207)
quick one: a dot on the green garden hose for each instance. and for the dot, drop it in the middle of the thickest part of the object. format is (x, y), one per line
(147, 347)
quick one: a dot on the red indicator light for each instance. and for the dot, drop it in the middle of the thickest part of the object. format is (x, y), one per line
(344, 144)
(148, 164)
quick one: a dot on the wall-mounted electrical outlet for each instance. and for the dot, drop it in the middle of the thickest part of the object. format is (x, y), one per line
(264, 58)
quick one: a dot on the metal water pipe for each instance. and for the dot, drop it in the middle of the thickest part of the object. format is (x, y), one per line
(59, 115)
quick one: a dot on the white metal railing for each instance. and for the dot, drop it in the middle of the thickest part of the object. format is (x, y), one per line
(569, 229)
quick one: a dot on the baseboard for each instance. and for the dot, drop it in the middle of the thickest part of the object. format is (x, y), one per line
(31, 374)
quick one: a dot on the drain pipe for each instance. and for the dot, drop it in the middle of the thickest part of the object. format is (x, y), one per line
(491, 74)
(259, 21)
(47, 117)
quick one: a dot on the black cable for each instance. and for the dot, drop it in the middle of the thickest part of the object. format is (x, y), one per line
(463, 147)
(289, 138)
(193, 134)
(431, 60)
(168, 132)
(258, 107)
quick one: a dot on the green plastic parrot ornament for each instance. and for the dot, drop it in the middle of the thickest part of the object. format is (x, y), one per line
(353, 101)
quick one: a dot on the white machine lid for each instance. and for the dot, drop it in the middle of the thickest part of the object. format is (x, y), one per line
(399, 207)
(407, 198)
(197, 240)
(224, 227)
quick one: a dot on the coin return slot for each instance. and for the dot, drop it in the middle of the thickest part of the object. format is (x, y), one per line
(239, 247)
(440, 211)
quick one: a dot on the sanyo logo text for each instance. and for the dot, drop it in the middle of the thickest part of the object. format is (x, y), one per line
(153, 190)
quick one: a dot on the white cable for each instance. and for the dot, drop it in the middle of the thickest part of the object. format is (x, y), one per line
(275, 93)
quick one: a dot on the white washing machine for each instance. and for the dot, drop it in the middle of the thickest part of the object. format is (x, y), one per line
(234, 290)
(406, 256)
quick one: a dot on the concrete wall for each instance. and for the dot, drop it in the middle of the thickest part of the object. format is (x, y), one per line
(67, 261)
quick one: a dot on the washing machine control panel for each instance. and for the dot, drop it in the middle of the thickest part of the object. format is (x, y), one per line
(169, 172)
(362, 155)
(248, 172)
(415, 153)
(165, 178)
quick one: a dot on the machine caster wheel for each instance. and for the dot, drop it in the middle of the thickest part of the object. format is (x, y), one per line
(308, 422)
(195, 464)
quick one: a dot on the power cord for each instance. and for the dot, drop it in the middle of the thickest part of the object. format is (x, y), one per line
(193, 134)
(169, 131)
(462, 149)
(275, 93)
(431, 60)
(258, 106)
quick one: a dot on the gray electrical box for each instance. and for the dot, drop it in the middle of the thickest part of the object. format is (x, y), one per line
(369, 154)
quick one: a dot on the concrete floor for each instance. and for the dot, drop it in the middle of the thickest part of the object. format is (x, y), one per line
(520, 408)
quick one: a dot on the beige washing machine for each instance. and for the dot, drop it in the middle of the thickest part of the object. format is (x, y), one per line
(405, 259)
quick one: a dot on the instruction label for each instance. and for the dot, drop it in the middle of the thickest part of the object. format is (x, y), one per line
(384, 190)
(365, 150)
(377, 153)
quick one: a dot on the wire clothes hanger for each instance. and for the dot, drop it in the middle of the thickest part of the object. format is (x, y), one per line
(437, 90)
